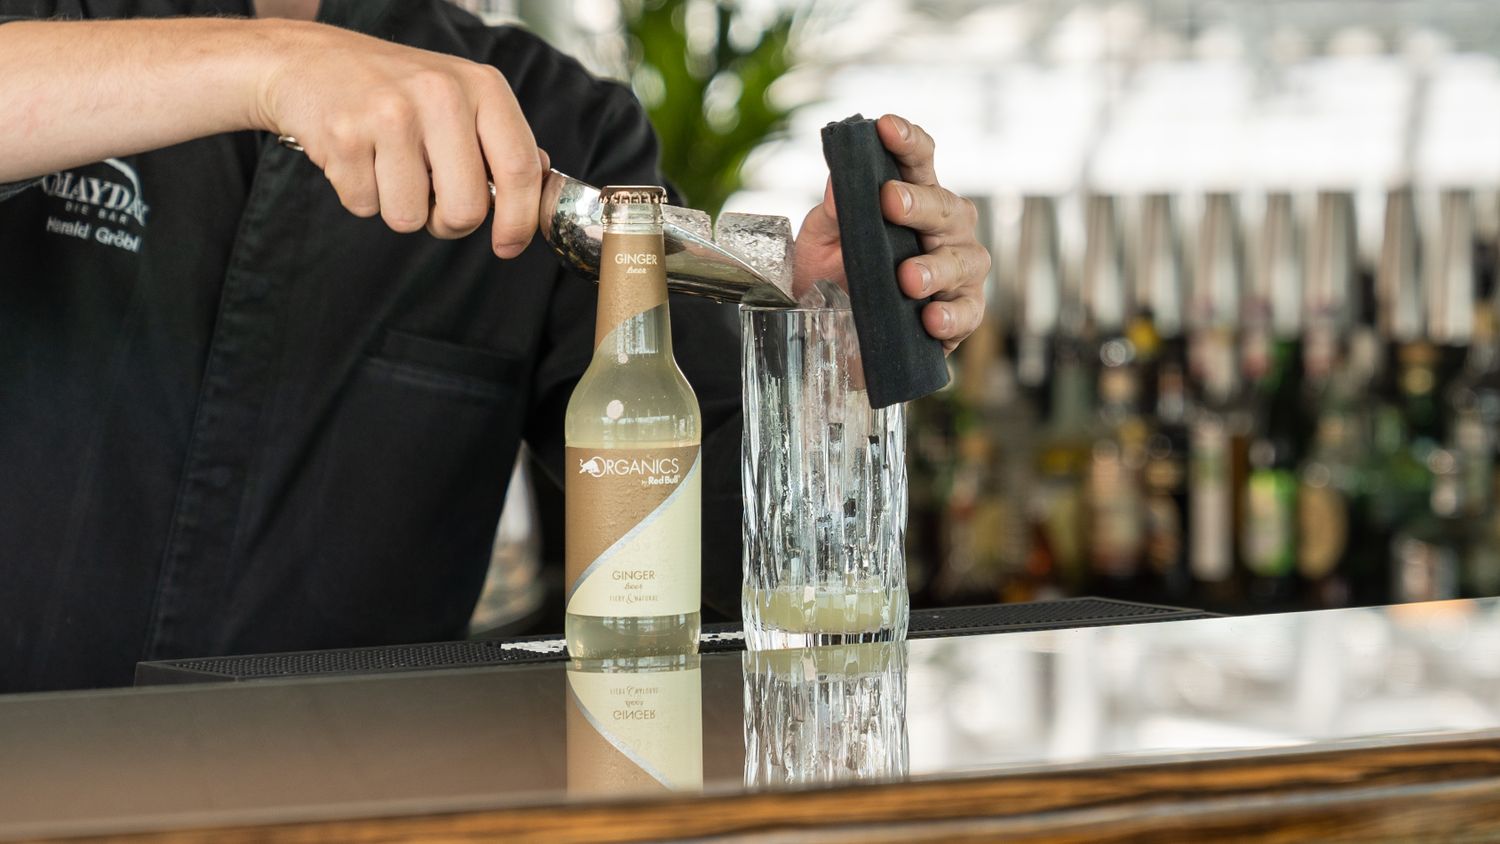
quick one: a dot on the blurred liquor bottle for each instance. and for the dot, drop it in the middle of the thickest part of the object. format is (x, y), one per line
(1063, 452)
(1271, 351)
(1054, 322)
(1039, 285)
(1114, 501)
(1335, 305)
(986, 551)
(1403, 415)
(1474, 405)
(1332, 496)
(1268, 533)
(1450, 283)
(1157, 326)
(1428, 549)
(1165, 477)
(1341, 350)
(1217, 423)
(1473, 410)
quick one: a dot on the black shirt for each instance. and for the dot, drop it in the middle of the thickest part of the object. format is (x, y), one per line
(235, 418)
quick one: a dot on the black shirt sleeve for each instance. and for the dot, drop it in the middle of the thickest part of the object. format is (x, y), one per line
(705, 337)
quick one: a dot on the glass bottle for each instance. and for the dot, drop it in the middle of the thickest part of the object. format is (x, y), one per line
(1474, 423)
(1399, 482)
(1065, 440)
(1158, 323)
(633, 477)
(1218, 422)
(1268, 536)
(1115, 514)
(1272, 364)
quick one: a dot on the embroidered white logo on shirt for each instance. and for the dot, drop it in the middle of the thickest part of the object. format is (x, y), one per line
(100, 209)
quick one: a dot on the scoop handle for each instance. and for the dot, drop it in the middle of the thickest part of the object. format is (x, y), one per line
(901, 360)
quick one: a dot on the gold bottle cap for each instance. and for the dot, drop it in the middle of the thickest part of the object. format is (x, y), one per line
(633, 195)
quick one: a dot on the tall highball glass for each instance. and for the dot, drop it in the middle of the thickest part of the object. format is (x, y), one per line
(824, 480)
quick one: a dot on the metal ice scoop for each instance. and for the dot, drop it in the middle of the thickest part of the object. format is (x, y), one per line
(748, 259)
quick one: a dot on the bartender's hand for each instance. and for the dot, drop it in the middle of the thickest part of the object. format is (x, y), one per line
(953, 264)
(411, 135)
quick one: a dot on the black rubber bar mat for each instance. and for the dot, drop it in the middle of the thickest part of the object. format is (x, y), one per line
(716, 638)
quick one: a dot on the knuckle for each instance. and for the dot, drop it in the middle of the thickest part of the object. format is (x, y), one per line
(975, 323)
(463, 218)
(487, 75)
(360, 207)
(970, 211)
(353, 195)
(437, 88)
(439, 230)
(344, 134)
(403, 221)
(950, 205)
(518, 167)
(393, 111)
(960, 263)
(513, 232)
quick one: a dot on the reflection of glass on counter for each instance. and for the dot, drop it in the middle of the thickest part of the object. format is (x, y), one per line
(825, 714)
(635, 725)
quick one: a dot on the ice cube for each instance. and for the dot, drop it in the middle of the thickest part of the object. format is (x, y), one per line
(824, 294)
(763, 241)
(834, 296)
(689, 219)
(813, 297)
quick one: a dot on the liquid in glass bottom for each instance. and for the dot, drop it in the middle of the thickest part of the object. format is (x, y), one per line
(807, 616)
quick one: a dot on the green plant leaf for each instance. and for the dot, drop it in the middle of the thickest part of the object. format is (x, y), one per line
(703, 153)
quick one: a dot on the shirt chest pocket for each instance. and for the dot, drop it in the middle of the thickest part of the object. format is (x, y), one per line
(410, 480)
(461, 372)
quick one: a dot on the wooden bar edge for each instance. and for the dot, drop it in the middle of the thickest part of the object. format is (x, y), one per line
(1443, 790)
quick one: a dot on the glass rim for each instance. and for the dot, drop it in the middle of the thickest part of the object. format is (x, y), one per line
(746, 307)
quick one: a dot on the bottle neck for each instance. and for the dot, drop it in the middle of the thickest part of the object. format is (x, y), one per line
(633, 318)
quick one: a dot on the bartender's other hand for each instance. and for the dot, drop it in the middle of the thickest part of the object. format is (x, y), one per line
(411, 135)
(953, 265)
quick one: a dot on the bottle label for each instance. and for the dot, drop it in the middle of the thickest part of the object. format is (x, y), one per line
(1211, 509)
(1116, 532)
(632, 280)
(1270, 523)
(1324, 524)
(634, 521)
(635, 731)
(1163, 533)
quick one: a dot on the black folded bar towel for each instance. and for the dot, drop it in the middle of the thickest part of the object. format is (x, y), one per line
(901, 360)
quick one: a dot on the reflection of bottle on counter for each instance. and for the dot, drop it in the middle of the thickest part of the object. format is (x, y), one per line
(635, 725)
(823, 715)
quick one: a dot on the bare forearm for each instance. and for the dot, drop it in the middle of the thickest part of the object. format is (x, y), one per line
(405, 133)
(80, 91)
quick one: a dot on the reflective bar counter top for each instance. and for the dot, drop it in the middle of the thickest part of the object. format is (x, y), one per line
(1363, 723)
